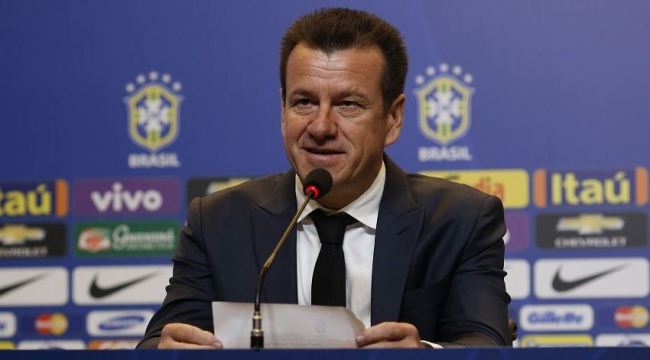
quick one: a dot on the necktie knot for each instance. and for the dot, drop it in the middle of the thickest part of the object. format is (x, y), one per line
(331, 227)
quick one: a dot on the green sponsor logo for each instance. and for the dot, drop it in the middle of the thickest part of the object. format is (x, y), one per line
(126, 238)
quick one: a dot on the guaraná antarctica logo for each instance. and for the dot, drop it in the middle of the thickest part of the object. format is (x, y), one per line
(153, 106)
(444, 100)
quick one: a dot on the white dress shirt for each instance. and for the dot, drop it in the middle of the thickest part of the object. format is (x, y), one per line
(358, 247)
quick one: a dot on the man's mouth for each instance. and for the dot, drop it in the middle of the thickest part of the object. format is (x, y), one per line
(323, 151)
(323, 157)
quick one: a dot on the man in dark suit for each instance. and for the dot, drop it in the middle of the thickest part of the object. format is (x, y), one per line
(423, 257)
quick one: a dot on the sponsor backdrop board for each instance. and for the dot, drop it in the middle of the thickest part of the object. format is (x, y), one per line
(116, 114)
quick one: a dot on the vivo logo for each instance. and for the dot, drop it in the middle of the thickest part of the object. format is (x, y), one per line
(556, 317)
(114, 197)
(122, 322)
(118, 199)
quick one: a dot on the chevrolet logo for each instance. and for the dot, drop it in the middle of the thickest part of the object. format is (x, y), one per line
(590, 224)
(19, 234)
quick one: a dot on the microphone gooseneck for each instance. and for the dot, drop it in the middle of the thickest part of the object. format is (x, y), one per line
(316, 185)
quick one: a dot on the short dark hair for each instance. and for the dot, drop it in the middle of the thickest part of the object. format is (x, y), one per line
(332, 29)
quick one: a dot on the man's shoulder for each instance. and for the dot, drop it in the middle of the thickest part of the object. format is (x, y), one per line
(432, 190)
(248, 193)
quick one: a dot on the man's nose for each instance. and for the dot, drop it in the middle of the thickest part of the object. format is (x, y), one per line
(323, 126)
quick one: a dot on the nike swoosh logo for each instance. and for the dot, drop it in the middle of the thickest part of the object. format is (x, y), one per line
(561, 285)
(19, 284)
(99, 292)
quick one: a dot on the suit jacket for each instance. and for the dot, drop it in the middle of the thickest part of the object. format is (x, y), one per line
(438, 257)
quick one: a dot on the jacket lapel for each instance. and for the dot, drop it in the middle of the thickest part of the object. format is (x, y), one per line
(269, 220)
(398, 225)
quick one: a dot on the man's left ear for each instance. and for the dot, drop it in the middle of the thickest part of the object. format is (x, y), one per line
(395, 118)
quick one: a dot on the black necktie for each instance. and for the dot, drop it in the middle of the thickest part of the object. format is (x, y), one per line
(328, 282)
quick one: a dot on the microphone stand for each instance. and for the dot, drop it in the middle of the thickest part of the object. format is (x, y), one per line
(257, 334)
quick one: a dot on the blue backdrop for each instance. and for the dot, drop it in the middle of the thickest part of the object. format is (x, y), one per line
(115, 113)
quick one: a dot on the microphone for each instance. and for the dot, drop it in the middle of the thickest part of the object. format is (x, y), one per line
(316, 185)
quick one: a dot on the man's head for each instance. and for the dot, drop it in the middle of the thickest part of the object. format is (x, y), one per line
(335, 112)
(333, 29)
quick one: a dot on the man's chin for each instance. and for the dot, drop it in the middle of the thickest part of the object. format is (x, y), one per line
(308, 167)
(329, 162)
(305, 170)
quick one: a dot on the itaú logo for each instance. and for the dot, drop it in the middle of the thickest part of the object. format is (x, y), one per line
(605, 187)
(122, 322)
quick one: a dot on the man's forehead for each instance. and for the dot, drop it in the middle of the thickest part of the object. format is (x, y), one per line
(308, 65)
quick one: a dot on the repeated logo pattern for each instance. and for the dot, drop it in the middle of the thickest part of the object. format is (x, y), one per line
(558, 254)
(153, 109)
(444, 99)
(575, 240)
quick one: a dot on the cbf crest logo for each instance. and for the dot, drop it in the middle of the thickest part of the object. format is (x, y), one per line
(444, 103)
(153, 108)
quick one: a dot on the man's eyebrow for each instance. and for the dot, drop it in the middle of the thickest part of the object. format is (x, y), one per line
(348, 93)
(299, 92)
(352, 93)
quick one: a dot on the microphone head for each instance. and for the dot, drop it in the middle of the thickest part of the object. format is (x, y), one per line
(317, 183)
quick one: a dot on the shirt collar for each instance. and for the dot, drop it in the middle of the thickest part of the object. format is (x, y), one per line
(365, 208)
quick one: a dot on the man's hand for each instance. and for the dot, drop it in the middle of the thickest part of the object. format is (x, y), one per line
(184, 336)
(390, 335)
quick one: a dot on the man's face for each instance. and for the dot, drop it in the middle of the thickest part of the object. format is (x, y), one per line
(333, 118)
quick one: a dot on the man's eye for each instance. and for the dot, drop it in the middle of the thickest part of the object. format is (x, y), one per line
(349, 104)
(302, 102)
(350, 107)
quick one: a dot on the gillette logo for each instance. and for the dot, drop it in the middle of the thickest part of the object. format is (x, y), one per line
(553, 318)
(556, 317)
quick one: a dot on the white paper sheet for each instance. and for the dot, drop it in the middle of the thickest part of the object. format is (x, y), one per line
(286, 326)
